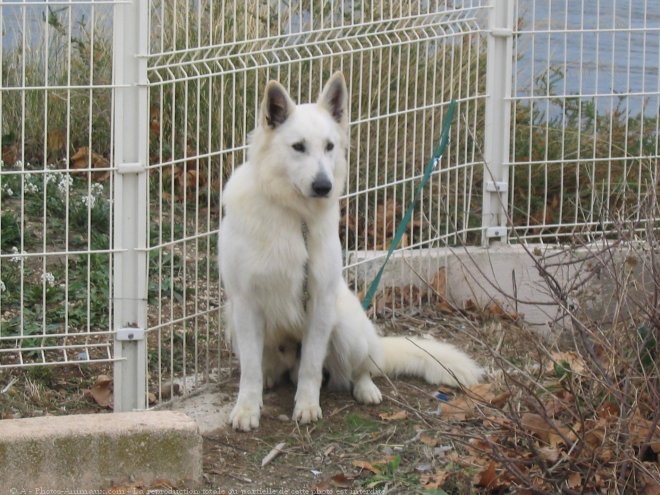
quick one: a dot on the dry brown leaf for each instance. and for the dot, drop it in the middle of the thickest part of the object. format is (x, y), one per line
(83, 159)
(457, 409)
(445, 307)
(546, 430)
(434, 481)
(497, 311)
(574, 480)
(488, 477)
(439, 283)
(652, 487)
(491, 421)
(642, 430)
(10, 154)
(594, 433)
(533, 423)
(479, 444)
(374, 466)
(154, 120)
(558, 403)
(464, 406)
(605, 454)
(500, 400)
(342, 481)
(428, 440)
(470, 306)
(101, 391)
(573, 359)
(337, 481)
(482, 392)
(609, 411)
(55, 141)
(550, 454)
(394, 416)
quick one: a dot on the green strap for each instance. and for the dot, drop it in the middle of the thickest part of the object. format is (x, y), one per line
(444, 140)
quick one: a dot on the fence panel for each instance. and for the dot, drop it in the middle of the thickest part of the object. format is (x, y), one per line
(208, 64)
(56, 185)
(586, 99)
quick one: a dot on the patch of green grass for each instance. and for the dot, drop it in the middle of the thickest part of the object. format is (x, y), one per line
(357, 423)
(391, 475)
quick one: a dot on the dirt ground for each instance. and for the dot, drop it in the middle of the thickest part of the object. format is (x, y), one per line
(541, 423)
(355, 448)
(397, 446)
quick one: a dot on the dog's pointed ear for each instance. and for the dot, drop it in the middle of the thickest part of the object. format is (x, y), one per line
(276, 106)
(334, 98)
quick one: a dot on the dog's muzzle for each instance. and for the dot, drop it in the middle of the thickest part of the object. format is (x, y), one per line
(321, 186)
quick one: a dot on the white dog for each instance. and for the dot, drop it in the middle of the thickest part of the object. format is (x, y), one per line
(280, 236)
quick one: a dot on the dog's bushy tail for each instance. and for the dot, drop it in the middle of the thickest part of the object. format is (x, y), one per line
(436, 362)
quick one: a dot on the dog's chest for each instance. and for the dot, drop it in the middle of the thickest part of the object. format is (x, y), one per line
(279, 279)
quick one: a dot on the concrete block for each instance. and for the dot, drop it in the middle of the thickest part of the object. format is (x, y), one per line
(94, 451)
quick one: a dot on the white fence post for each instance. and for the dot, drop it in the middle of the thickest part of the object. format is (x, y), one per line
(499, 68)
(131, 29)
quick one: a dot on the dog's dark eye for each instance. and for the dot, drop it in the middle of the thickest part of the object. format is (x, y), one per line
(299, 147)
(329, 146)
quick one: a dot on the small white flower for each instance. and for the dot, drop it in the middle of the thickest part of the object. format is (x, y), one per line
(17, 258)
(66, 181)
(97, 189)
(31, 187)
(9, 192)
(88, 200)
(51, 176)
(3, 287)
(48, 278)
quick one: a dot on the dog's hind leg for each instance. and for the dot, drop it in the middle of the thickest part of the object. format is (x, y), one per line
(365, 390)
(249, 334)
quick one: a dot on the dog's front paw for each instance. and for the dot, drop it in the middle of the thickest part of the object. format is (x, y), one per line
(245, 417)
(307, 412)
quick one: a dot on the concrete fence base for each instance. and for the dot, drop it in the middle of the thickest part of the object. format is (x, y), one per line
(95, 451)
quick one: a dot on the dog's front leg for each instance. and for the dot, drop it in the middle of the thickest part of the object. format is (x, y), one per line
(314, 349)
(249, 334)
(323, 282)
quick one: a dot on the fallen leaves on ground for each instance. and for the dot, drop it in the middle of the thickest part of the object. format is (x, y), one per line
(546, 436)
(394, 416)
(375, 467)
(340, 480)
(101, 391)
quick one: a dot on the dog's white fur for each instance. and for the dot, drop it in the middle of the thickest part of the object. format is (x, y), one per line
(292, 181)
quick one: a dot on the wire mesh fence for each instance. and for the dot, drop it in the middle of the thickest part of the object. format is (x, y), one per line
(55, 183)
(207, 66)
(581, 80)
(586, 117)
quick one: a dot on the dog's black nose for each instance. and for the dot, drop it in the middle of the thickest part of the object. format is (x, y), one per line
(321, 186)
